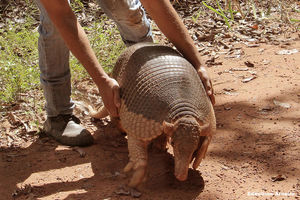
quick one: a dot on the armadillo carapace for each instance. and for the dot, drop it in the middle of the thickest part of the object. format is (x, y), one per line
(162, 95)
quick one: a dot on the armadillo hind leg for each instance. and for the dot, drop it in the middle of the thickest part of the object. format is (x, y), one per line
(137, 161)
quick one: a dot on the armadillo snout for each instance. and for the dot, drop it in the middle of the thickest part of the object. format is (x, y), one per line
(181, 174)
(182, 177)
(181, 167)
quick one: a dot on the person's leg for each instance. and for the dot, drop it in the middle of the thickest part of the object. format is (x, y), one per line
(56, 82)
(54, 66)
(130, 18)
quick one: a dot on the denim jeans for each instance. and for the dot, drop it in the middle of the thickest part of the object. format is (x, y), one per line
(54, 55)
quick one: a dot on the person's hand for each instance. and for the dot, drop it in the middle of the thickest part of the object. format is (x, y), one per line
(202, 72)
(110, 93)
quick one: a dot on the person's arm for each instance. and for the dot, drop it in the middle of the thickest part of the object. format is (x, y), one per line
(75, 38)
(170, 24)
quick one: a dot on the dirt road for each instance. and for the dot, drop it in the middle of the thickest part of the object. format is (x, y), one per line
(254, 154)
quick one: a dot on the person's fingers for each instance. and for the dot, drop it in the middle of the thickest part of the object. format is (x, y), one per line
(210, 92)
(207, 83)
(116, 102)
(110, 93)
(113, 111)
(117, 98)
(212, 99)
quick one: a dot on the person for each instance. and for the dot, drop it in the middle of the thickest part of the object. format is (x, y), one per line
(60, 32)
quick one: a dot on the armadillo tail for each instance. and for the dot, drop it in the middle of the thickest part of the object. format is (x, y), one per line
(100, 113)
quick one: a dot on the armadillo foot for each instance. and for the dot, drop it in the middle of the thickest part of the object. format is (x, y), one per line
(139, 172)
(125, 190)
(128, 167)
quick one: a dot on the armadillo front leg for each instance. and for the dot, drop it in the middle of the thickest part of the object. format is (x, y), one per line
(138, 160)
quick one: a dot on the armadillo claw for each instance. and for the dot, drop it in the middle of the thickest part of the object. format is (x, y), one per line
(125, 190)
(138, 177)
(128, 167)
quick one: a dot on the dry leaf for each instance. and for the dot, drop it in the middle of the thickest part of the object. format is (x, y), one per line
(281, 104)
(239, 69)
(246, 80)
(287, 52)
(249, 64)
(279, 177)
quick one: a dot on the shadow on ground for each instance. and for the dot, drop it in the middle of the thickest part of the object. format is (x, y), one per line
(246, 133)
(45, 170)
(267, 135)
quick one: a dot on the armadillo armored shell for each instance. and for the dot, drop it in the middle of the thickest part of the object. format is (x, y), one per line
(157, 84)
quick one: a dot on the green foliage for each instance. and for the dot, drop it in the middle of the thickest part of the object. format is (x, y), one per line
(77, 5)
(223, 14)
(296, 23)
(231, 10)
(295, 20)
(196, 16)
(218, 11)
(106, 43)
(18, 60)
(19, 71)
(253, 9)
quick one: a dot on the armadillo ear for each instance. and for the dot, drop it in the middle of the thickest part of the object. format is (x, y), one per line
(168, 128)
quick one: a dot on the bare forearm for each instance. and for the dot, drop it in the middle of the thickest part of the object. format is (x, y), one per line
(163, 13)
(75, 38)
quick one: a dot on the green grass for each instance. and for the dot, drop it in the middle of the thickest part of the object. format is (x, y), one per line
(18, 60)
(218, 11)
(197, 15)
(19, 71)
(106, 43)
